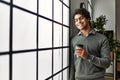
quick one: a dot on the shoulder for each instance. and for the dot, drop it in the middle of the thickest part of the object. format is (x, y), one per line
(101, 36)
(96, 34)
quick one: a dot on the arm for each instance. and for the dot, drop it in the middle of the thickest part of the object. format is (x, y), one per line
(104, 60)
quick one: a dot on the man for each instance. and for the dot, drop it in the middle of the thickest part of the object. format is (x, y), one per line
(89, 61)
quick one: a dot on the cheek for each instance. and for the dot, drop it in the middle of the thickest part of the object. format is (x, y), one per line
(77, 25)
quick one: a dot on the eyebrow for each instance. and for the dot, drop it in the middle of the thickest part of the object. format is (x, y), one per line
(79, 17)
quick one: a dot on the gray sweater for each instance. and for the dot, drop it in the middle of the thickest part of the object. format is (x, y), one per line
(97, 47)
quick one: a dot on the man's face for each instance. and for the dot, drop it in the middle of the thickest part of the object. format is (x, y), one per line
(81, 22)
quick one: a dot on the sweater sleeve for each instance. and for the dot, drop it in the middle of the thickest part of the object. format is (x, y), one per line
(104, 60)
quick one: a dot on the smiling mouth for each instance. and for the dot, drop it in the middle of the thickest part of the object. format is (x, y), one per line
(80, 25)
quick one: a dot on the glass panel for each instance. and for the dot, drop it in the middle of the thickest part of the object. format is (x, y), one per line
(30, 5)
(65, 57)
(65, 15)
(45, 64)
(45, 33)
(58, 77)
(57, 60)
(65, 74)
(24, 30)
(45, 8)
(57, 35)
(4, 27)
(66, 2)
(7, 0)
(65, 36)
(58, 11)
(24, 66)
(4, 67)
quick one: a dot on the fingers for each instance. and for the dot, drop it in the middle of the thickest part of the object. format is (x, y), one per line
(79, 50)
(81, 53)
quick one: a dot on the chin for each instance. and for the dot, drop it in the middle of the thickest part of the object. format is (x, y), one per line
(80, 28)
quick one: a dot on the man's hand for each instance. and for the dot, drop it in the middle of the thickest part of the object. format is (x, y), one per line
(81, 53)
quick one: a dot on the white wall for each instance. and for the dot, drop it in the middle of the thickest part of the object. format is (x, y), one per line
(105, 7)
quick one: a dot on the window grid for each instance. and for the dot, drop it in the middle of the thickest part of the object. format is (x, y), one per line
(11, 51)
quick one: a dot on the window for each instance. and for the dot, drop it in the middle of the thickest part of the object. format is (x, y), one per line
(90, 8)
(34, 36)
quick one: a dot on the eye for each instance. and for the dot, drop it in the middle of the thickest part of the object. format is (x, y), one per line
(80, 18)
(75, 20)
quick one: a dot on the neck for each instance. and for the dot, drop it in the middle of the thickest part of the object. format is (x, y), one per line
(86, 31)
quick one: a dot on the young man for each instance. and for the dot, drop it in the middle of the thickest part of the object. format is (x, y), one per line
(89, 61)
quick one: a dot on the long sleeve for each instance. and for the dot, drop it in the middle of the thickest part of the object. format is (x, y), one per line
(104, 60)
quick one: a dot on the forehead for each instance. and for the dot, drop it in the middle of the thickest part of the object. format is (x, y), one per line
(77, 16)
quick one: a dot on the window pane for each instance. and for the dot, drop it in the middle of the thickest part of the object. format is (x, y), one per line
(58, 77)
(30, 5)
(65, 36)
(65, 57)
(45, 8)
(4, 27)
(4, 67)
(57, 35)
(57, 60)
(65, 15)
(24, 66)
(58, 11)
(24, 30)
(45, 64)
(45, 33)
(65, 74)
(66, 2)
(7, 0)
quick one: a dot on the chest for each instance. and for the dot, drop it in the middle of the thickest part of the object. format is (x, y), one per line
(91, 44)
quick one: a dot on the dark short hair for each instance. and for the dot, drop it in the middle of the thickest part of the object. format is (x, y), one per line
(83, 12)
